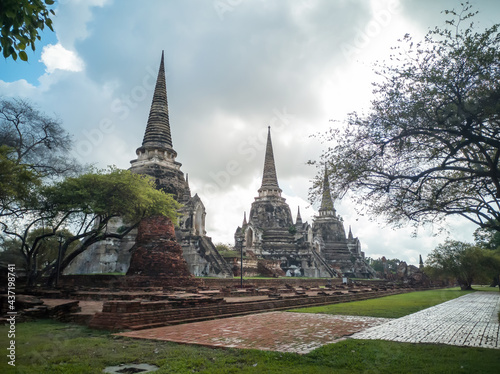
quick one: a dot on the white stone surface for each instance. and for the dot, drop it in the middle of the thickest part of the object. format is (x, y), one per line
(470, 320)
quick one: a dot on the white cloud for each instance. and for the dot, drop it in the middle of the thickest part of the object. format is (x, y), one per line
(15, 89)
(227, 80)
(72, 19)
(57, 57)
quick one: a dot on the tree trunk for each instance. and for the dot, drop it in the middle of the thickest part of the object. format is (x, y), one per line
(465, 284)
(31, 270)
(496, 281)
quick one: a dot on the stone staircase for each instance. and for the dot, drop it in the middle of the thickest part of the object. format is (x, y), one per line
(323, 264)
(220, 265)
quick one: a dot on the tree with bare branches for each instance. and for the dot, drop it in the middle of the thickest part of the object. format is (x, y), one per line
(429, 146)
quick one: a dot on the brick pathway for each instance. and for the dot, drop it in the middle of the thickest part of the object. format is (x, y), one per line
(470, 320)
(275, 331)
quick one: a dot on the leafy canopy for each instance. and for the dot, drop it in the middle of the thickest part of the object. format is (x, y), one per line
(16, 182)
(110, 193)
(464, 262)
(21, 21)
(88, 206)
(429, 146)
(47, 253)
(34, 148)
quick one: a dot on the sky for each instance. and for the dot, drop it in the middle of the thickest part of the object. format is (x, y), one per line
(234, 67)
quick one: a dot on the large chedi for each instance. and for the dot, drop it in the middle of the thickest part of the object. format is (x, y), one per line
(270, 232)
(342, 253)
(318, 250)
(156, 157)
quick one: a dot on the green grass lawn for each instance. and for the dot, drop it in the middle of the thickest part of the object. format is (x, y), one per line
(53, 347)
(485, 288)
(393, 306)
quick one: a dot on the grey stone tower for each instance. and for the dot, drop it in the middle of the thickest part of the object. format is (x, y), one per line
(329, 239)
(270, 218)
(270, 233)
(156, 157)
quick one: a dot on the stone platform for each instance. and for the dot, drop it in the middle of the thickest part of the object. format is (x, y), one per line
(138, 315)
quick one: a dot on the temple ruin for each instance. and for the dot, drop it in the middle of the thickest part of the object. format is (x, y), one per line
(156, 157)
(342, 253)
(318, 250)
(270, 238)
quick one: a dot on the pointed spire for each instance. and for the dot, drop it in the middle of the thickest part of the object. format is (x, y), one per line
(244, 219)
(421, 262)
(326, 200)
(299, 218)
(187, 191)
(350, 236)
(157, 133)
(269, 178)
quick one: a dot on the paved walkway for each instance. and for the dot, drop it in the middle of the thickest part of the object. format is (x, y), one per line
(470, 320)
(274, 331)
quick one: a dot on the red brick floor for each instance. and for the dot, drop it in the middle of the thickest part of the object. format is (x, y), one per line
(274, 331)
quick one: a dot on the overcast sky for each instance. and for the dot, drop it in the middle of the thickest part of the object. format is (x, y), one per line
(233, 67)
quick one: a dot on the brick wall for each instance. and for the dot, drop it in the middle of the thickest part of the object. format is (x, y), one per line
(267, 283)
(124, 282)
(140, 315)
(156, 251)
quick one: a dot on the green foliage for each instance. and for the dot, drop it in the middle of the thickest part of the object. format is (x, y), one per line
(54, 347)
(462, 261)
(292, 230)
(394, 306)
(429, 146)
(391, 265)
(47, 252)
(21, 21)
(226, 250)
(89, 203)
(109, 193)
(487, 238)
(223, 247)
(16, 181)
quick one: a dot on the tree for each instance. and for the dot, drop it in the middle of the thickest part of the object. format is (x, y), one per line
(16, 182)
(383, 265)
(87, 204)
(33, 147)
(37, 140)
(429, 147)
(463, 262)
(21, 21)
(487, 238)
(226, 250)
(47, 253)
